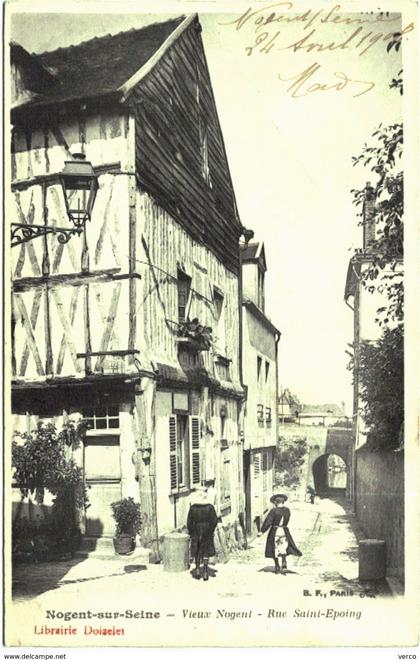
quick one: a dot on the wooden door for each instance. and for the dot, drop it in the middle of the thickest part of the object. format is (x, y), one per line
(103, 481)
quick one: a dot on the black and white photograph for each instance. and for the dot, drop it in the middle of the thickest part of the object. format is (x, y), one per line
(211, 325)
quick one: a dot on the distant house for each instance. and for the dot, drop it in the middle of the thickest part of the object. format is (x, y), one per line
(289, 406)
(328, 414)
(259, 360)
(135, 325)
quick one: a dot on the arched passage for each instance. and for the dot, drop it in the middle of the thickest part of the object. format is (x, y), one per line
(330, 475)
(337, 472)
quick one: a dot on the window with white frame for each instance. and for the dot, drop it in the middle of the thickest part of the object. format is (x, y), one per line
(102, 417)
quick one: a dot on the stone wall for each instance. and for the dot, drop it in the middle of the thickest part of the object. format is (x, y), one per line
(379, 502)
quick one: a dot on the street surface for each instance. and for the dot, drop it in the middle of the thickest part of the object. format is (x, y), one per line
(321, 584)
(324, 532)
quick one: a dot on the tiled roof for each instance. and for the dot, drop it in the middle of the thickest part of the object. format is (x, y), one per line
(324, 410)
(101, 65)
(249, 251)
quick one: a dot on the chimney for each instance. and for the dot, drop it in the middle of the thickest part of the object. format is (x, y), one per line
(369, 217)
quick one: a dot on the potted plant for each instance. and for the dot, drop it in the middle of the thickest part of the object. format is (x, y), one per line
(127, 516)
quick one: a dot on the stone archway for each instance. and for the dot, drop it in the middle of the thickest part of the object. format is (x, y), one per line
(337, 473)
(330, 475)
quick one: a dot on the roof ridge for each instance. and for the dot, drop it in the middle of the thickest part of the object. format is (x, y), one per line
(180, 17)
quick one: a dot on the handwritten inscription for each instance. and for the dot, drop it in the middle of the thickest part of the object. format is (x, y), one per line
(304, 83)
(358, 32)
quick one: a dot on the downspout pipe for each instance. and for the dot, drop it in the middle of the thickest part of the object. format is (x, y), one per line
(276, 412)
(248, 235)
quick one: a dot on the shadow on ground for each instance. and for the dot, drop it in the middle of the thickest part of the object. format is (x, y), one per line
(31, 580)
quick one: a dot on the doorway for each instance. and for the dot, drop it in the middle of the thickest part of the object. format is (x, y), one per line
(103, 482)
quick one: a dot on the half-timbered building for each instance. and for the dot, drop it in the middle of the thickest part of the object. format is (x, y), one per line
(135, 324)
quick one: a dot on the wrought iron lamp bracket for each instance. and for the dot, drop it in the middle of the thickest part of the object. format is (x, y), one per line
(22, 233)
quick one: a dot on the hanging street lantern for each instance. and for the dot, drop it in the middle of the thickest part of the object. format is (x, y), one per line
(80, 185)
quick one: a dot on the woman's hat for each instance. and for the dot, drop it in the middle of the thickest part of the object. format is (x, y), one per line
(278, 496)
(199, 495)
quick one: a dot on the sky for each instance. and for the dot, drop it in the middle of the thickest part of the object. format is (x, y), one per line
(289, 151)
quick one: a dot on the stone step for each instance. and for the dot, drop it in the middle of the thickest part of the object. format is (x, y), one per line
(103, 548)
(92, 543)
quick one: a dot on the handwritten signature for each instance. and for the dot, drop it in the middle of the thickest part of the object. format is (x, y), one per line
(304, 84)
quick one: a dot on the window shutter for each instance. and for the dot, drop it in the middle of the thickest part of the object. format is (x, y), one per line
(173, 460)
(195, 467)
(257, 465)
(265, 474)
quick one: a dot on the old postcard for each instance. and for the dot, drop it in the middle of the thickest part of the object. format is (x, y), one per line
(211, 325)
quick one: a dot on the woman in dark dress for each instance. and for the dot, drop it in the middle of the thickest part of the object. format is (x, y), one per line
(279, 540)
(201, 523)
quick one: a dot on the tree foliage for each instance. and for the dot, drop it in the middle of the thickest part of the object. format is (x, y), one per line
(380, 364)
(381, 382)
(289, 459)
(383, 158)
(42, 460)
(384, 273)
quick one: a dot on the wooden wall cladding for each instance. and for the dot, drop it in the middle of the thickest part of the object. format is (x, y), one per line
(173, 106)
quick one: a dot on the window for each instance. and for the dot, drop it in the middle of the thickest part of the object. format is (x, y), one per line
(222, 426)
(184, 287)
(184, 452)
(223, 370)
(219, 313)
(183, 456)
(218, 302)
(260, 413)
(181, 402)
(268, 416)
(102, 417)
(259, 365)
(267, 370)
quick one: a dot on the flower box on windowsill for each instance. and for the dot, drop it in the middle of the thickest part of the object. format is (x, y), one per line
(189, 344)
(194, 336)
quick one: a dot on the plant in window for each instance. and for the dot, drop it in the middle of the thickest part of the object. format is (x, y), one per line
(200, 335)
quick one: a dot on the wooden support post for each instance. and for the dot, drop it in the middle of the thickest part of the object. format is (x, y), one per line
(88, 345)
(132, 267)
(146, 464)
(45, 273)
